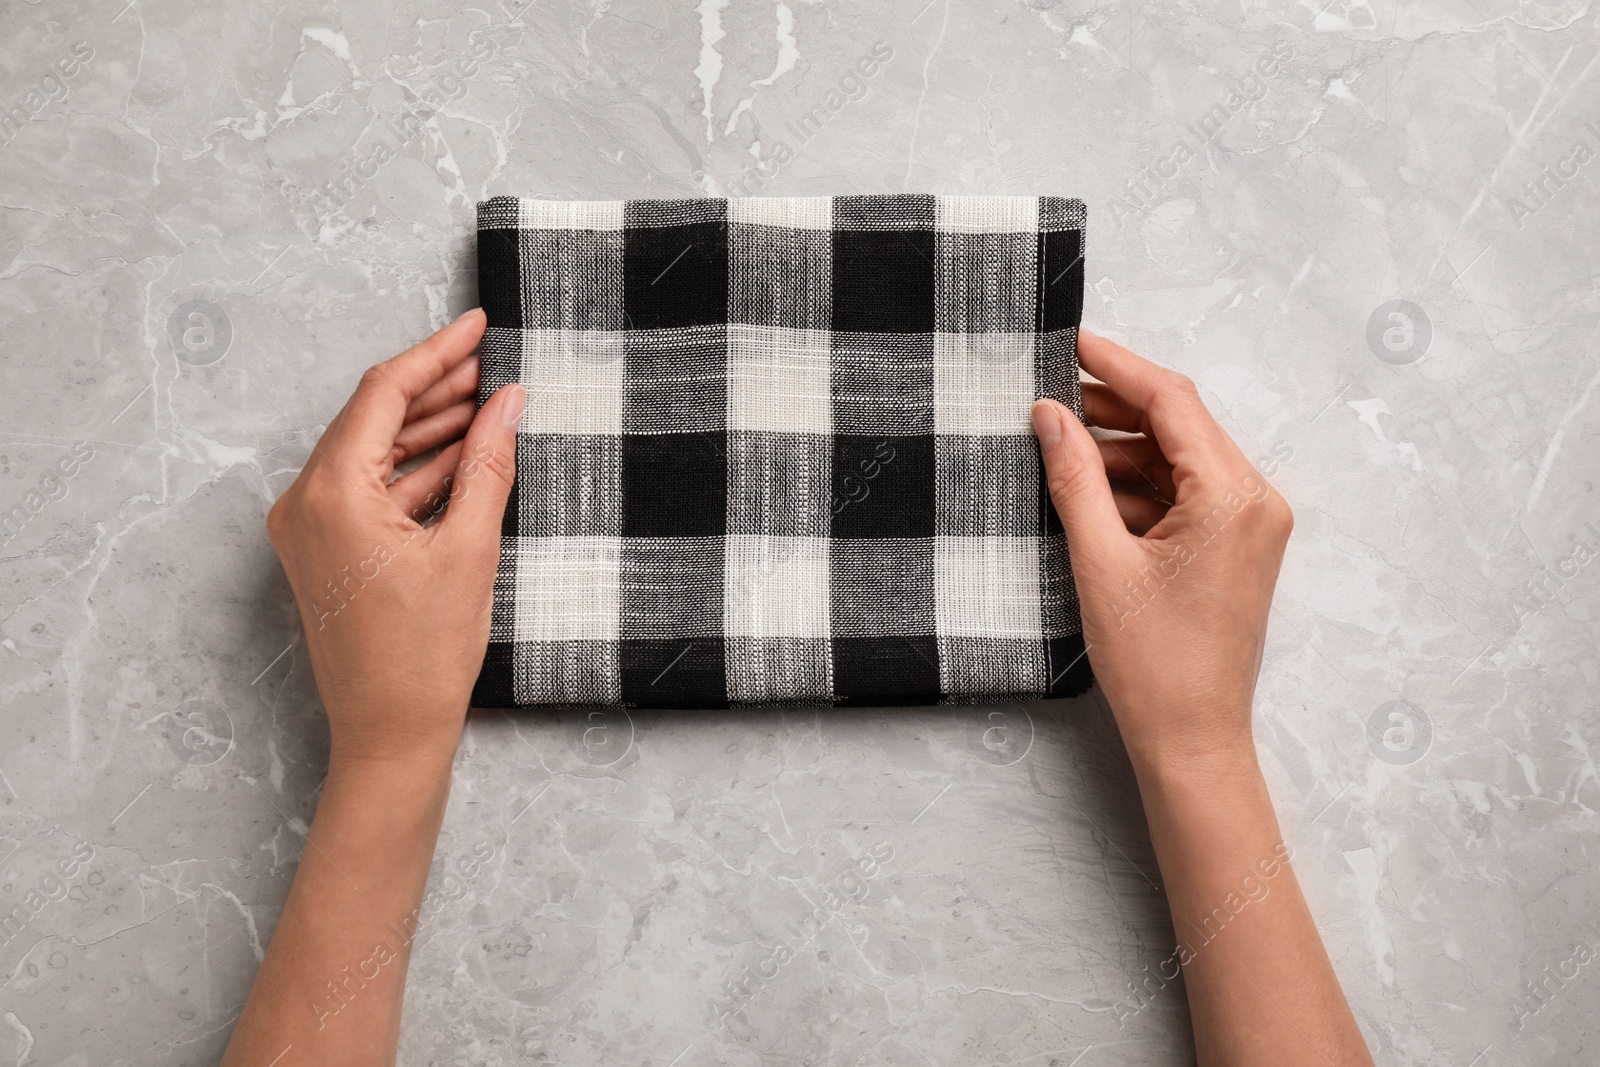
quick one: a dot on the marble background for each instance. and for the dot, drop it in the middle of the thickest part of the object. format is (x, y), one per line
(1366, 229)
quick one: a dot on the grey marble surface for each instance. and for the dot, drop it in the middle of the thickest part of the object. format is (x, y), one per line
(215, 215)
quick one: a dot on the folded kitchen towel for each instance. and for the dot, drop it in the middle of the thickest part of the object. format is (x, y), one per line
(778, 450)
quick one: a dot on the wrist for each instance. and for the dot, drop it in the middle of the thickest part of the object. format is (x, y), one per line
(403, 763)
(1208, 799)
(402, 735)
(1211, 766)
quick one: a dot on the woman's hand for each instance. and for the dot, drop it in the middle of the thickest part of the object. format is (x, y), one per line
(396, 606)
(1175, 577)
(395, 600)
(1175, 581)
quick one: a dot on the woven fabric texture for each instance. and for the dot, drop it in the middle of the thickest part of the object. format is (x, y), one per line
(778, 450)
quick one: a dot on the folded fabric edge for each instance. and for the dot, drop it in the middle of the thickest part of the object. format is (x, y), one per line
(963, 213)
(1068, 680)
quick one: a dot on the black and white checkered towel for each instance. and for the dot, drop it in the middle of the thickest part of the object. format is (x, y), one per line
(778, 450)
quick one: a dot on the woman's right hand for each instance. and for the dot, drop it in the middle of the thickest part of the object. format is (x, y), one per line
(1175, 582)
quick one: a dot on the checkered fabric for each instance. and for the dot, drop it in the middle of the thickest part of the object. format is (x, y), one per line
(779, 451)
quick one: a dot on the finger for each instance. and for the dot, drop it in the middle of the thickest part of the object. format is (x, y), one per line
(1138, 460)
(421, 494)
(372, 418)
(1139, 513)
(1177, 417)
(1077, 480)
(1109, 411)
(459, 384)
(1133, 378)
(432, 431)
(487, 466)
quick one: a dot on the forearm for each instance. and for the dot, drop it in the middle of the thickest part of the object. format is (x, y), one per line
(1261, 989)
(332, 982)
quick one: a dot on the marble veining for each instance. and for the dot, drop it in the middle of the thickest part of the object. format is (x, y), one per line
(1365, 228)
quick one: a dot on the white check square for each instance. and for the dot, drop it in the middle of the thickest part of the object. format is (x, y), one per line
(987, 586)
(779, 380)
(567, 588)
(535, 214)
(988, 214)
(574, 381)
(983, 383)
(789, 212)
(776, 587)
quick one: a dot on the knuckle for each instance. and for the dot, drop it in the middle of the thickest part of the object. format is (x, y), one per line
(319, 498)
(1180, 387)
(375, 376)
(1067, 481)
(1280, 515)
(278, 519)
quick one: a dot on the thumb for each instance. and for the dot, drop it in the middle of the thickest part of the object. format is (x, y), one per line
(1078, 484)
(488, 465)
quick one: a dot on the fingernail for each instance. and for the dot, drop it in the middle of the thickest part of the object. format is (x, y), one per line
(1047, 424)
(513, 405)
(464, 314)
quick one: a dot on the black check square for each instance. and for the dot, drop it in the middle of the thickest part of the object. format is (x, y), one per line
(1060, 280)
(884, 486)
(675, 265)
(778, 450)
(674, 485)
(673, 673)
(902, 669)
(883, 281)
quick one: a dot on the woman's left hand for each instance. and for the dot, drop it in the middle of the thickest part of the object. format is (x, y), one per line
(396, 608)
